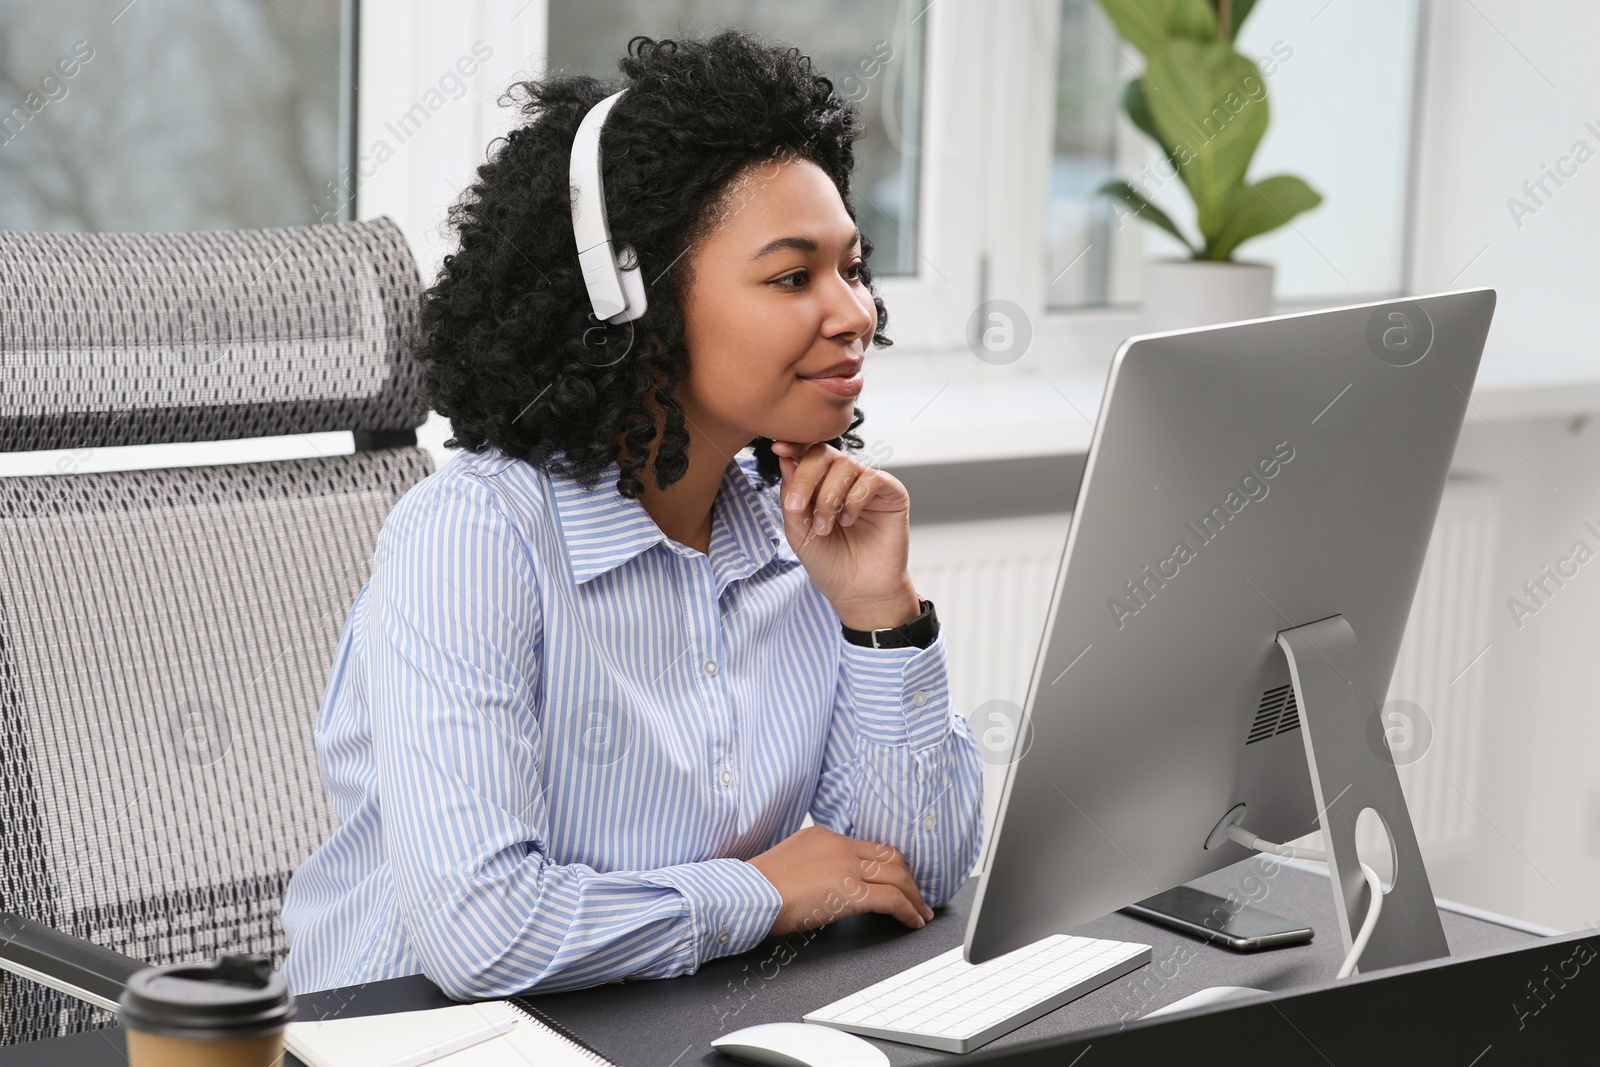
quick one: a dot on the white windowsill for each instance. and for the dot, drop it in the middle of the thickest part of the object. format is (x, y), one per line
(948, 407)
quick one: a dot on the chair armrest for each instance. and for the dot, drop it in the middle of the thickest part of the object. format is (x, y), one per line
(70, 964)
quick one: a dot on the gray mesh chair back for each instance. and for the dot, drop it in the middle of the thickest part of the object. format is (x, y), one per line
(166, 635)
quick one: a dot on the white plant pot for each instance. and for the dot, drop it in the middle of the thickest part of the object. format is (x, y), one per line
(1179, 293)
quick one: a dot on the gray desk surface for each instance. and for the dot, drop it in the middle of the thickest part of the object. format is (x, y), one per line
(669, 1022)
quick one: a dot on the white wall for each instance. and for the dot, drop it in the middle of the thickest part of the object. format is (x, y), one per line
(1535, 851)
(1511, 87)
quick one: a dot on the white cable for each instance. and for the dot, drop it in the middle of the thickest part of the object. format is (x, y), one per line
(1375, 904)
(1374, 886)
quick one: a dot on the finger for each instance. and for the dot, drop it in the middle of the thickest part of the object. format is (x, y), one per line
(880, 852)
(801, 485)
(864, 489)
(891, 493)
(888, 900)
(888, 865)
(900, 878)
(836, 485)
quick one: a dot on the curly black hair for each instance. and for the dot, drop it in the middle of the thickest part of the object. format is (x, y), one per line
(501, 332)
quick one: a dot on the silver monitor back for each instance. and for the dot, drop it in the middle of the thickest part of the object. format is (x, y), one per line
(1244, 479)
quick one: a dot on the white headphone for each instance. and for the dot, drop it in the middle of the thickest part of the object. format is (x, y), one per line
(617, 294)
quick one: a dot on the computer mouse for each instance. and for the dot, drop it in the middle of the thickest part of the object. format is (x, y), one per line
(1217, 994)
(800, 1045)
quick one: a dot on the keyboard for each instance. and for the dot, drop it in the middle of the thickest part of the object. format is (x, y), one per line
(948, 1004)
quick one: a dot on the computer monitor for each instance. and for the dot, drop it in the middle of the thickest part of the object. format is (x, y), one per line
(1257, 495)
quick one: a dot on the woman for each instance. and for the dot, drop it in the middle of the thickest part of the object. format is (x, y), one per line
(600, 675)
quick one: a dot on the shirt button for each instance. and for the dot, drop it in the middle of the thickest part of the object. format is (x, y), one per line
(711, 666)
(727, 776)
(920, 697)
(927, 824)
(722, 936)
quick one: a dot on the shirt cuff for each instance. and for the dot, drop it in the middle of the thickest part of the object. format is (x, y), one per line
(732, 906)
(900, 695)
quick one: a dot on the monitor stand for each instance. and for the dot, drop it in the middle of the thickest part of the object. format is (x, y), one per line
(1348, 776)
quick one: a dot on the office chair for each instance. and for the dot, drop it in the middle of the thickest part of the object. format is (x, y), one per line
(166, 635)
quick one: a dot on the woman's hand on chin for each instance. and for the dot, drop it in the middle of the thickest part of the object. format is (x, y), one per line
(850, 524)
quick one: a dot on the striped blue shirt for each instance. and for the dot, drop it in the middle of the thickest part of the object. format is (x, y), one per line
(553, 737)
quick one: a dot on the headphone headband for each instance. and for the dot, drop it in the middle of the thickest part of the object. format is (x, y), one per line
(616, 294)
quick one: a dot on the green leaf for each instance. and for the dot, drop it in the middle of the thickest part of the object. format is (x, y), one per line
(1137, 105)
(1241, 11)
(1149, 24)
(1192, 19)
(1143, 208)
(1253, 210)
(1200, 97)
(1238, 11)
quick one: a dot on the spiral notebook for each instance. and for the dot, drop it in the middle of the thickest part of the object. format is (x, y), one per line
(380, 1040)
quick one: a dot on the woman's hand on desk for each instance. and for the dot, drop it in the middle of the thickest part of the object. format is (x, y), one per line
(850, 525)
(824, 876)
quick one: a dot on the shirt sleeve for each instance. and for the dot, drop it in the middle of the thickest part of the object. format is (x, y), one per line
(901, 766)
(453, 665)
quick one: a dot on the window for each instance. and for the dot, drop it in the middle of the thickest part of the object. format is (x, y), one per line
(169, 115)
(1341, 91)
(1078, 229)
(1340, 82)
(871, 49)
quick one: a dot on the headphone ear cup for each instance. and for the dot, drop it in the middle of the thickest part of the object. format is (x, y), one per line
(632, 289)
(611, 293)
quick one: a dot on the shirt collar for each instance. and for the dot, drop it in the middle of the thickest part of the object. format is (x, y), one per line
(604, 529)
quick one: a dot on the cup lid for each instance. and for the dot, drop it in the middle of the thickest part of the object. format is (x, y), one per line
(239, 995)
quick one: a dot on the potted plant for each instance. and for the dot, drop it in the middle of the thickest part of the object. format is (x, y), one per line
(1205, 106)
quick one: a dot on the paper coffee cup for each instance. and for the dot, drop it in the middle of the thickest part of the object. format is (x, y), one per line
(229, 1013)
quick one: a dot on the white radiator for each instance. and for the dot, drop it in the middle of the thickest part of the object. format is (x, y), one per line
(992, 582)
(1444, 666)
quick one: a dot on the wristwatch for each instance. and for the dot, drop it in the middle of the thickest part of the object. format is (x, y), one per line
(918, 633)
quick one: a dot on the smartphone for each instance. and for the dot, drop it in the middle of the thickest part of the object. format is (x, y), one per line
(1232, 924)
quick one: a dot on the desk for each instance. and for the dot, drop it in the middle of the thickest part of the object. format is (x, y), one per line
(670, 1021)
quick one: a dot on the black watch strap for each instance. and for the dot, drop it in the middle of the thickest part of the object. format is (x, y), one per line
(918, 633)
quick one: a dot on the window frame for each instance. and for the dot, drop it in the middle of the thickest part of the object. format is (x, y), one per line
(987, 110)
(998, 60)
(1010, 51)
